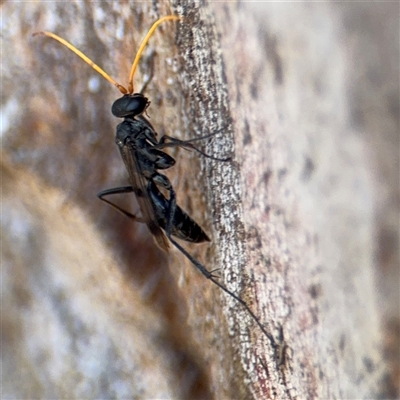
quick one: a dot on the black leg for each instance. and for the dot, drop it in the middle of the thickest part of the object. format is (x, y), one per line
(171, 212)
(213, 279)
(187, 144)
(204, 271)
(118, 190)
(168, 228)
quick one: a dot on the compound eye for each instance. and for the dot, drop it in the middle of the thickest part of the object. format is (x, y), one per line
(129, 105)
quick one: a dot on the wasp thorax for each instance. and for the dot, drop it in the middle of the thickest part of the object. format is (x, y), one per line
(129, 105)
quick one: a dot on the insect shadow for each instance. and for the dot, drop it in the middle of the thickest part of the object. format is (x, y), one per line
(143, 157)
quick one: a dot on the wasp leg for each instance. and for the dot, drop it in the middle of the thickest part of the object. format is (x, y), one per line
(119, 190)
(209, 274)
(164, 182)
(213, 279)
(168, 232)
(187, 144)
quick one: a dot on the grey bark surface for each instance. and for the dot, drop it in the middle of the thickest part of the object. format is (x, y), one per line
(304, 220)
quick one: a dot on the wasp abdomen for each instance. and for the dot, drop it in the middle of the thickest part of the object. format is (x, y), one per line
(183, 226)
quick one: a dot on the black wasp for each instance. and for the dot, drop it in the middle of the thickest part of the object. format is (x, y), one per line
(142, 154)
(140, 150)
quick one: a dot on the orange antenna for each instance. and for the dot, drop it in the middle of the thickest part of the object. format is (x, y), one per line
(143, 45)
(84, 58)
(104, 74)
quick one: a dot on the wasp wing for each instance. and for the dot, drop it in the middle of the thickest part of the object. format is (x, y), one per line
(139, 185)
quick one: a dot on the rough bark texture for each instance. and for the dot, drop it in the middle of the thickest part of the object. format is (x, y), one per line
(304, 221)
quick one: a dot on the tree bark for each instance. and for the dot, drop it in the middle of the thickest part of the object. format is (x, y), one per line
(303, 220)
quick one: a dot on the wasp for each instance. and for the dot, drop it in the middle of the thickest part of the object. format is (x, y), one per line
(143, 156)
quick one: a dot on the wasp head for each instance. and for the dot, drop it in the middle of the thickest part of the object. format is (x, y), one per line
(130, 105)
